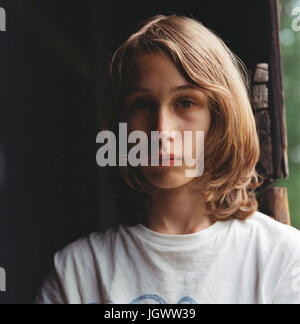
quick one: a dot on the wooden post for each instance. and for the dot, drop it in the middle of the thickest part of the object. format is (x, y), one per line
(269, 111)
(260, 103)
(274, 202)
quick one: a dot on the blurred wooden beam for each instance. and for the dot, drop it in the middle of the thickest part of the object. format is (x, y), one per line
(260, 103)
(278, 118)
(274, 202)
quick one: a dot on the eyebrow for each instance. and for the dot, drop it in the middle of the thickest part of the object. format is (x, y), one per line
(137, 88)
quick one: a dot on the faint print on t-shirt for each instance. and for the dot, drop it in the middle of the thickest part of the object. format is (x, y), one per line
(156, 299)
(296, 280)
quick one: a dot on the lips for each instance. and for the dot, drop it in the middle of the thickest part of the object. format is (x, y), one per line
(172, 158)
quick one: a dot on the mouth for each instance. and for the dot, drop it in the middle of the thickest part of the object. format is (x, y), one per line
(161, 159)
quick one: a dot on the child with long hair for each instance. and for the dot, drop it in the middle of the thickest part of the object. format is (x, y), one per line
(182, 239)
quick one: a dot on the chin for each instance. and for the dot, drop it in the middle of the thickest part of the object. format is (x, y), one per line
(166, 179)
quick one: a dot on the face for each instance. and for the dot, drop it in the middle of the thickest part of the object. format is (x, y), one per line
(159, 98)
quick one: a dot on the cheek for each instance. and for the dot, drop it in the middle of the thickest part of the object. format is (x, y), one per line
(138, 121)
(206, 121)
(198, 121)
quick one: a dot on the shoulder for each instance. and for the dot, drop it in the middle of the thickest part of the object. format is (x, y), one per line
(271, 236)
(272, 229)
(76, 269)
(86, 249)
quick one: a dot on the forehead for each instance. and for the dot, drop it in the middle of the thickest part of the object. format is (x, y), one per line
(154, 68)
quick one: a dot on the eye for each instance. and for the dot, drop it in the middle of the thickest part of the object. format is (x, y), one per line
(185, 103)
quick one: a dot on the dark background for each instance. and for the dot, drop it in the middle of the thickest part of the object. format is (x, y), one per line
(53, 67)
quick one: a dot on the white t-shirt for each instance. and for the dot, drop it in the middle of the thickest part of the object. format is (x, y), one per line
(256, 261)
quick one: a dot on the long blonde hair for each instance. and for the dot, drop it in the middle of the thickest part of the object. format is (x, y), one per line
(232, 145)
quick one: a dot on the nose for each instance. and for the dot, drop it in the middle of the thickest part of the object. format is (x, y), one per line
(164, 120)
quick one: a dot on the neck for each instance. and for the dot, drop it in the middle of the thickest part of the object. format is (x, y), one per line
(178, 211)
